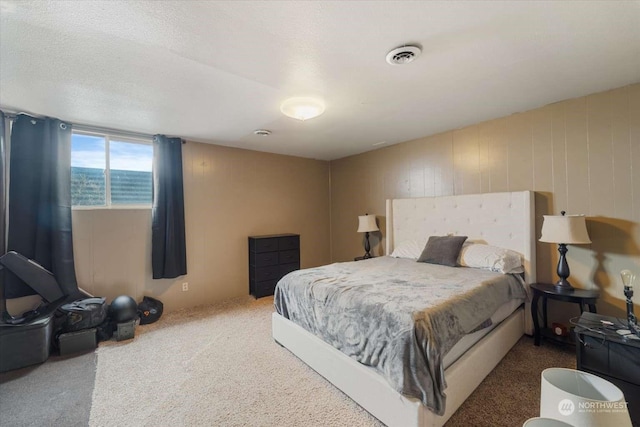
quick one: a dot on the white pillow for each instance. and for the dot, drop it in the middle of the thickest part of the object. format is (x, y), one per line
(409, 249)
(492, 258)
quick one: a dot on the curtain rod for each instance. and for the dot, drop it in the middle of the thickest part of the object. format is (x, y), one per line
(88, 128)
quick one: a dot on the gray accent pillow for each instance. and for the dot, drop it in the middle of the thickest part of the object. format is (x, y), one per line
(443, 250)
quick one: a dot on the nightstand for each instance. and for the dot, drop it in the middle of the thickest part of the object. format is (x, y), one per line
(581, 297)
(601, 351)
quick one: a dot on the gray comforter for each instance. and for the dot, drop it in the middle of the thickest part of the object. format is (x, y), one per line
(396, 315)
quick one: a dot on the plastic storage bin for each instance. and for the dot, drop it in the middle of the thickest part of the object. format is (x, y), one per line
(25, 344)
(78, 341)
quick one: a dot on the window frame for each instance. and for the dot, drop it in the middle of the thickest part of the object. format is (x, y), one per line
(108, 136)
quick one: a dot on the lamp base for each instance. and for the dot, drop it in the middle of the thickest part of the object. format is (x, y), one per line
(563, 285)
(367, 246)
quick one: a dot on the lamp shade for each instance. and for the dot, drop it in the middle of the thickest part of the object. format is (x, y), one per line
(367, 223)
(569, 229)
(544, 422)
(582, 399)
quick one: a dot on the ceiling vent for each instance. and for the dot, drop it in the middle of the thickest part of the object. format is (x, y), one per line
(403, 55)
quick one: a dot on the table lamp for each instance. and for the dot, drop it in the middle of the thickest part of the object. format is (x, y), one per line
(627, 280)
(367, 224)
(564, 230)
(544, 422)
(582, 399)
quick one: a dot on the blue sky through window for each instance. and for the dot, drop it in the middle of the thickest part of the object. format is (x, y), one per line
(131, 157)
(87, 151)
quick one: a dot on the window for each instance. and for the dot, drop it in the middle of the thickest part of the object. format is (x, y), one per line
(107, 170)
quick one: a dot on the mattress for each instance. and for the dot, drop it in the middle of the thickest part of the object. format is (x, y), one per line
(471, 339)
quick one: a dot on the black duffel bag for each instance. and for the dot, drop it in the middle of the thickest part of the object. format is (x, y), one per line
(83, 314)
(149, 310)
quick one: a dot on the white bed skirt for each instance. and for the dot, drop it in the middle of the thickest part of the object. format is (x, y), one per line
(371, 391)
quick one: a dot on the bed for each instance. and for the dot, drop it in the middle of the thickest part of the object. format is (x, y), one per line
(501, 219)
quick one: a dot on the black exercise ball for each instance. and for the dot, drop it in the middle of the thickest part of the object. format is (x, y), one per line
(123, 309)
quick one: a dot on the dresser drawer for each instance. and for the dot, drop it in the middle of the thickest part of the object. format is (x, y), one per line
(288, 242)
(260, 274)
(624, 362)
(288, 268)
(263, 289)
(287, 257)
(263, 245)
(263, 259)
(594, 354)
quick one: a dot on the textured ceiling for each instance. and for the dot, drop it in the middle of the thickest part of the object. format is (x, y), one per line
(214, 71)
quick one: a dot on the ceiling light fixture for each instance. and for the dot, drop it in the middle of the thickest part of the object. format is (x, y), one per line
(403, 55)
(262, 132)
(302, 108)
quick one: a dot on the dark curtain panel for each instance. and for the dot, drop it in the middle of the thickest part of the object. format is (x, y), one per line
(3, 187)
(168, 247)
(40, 200)
(3, 208)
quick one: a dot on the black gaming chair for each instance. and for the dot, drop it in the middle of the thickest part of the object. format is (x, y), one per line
(27, 340)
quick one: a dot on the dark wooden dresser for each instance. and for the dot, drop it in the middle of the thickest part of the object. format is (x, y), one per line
(270, 258)
(601, 351)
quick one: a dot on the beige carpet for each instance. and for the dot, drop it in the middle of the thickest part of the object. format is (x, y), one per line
(55, 393)
(218, 365)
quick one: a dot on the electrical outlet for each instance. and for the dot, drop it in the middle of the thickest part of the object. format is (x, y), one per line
(185, 287)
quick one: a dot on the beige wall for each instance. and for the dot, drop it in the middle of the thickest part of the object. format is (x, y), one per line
(230, 194)
(580, 155)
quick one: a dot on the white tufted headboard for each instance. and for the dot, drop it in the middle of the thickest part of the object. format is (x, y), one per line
(500, 219)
